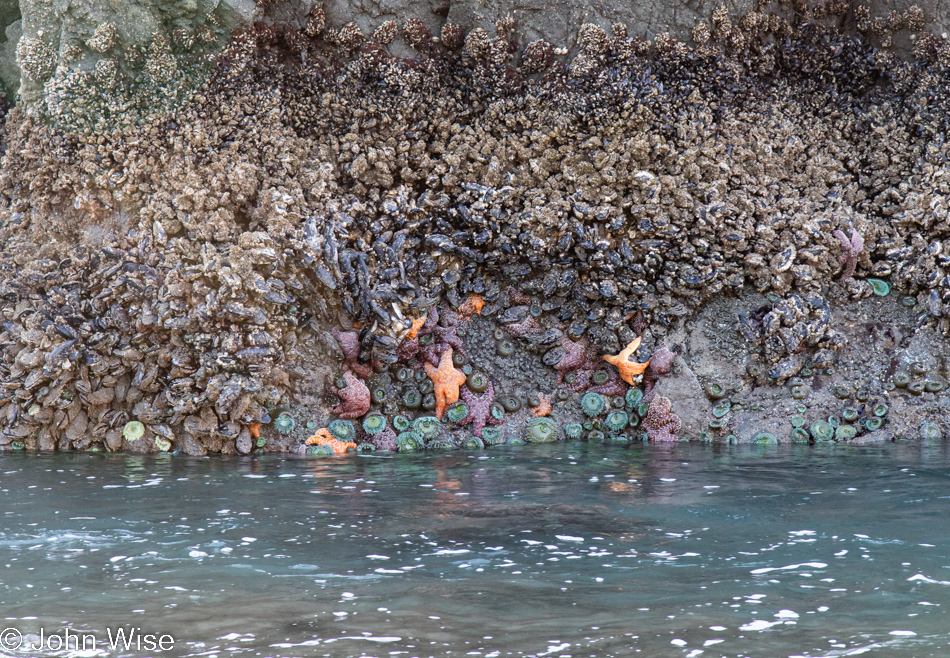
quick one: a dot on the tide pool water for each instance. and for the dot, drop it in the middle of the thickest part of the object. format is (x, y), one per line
(570, 549)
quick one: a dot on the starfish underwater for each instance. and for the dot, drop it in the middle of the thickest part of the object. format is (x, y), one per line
(628, 369)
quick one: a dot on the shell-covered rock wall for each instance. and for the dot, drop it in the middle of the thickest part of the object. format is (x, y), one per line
(183, 265)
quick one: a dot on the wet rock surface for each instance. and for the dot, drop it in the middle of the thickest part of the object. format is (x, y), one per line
(320, 223)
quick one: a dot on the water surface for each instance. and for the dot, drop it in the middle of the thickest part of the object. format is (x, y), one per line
(565, 550)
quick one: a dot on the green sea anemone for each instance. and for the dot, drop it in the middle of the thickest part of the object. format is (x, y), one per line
(618, 438)
(799, 435)
(845, 432)
(715, 390)
(592, 404)
(374, 424)
(163, 444)
(342, 430)
(595, 436)
(426, 386)
(633, 397)
(459, 359)
(797, 420)
(366, 447)
(428, 401)
(516, 441)
(799, 392)
(133, 431)
(821, 430)
(599, 377)
(850, 414)
(440, 444)
(320, 451)
(880, 288)
(511, 403)
(261, 442)
(426, 427)
(411, 398)
(834, 421)
(934, 386)
(409, 441)
(901, 379)
(477, 382)
(497, 411)
(542, 430)
(311, 425)
(403, 375)
(616, 420)
(642, 409)
(722, 409)
(472, 443)
(909, 302)
(379, 395)
(873, 424)
(842, 391)
(457, 412)
(918, 368)
(492, 436)
(916, 388)
(284, 424)
(505, 347)
(617, 402)
(930, 431)
(573, 430)
(716, 424)
(880, 410)
(401, 423)
(764, 438)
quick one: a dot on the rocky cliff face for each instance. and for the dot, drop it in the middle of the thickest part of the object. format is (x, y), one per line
(46, 46)
(224, 223)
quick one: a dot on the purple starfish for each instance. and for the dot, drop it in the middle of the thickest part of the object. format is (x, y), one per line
(660, 365)
(527, 327)
(613, 386)
(850, 250)
(350, 346)
(479, 409)
(385, 440)
(444, 330)
(575, 357)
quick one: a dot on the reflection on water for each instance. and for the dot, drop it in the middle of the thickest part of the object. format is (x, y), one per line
(561, 550)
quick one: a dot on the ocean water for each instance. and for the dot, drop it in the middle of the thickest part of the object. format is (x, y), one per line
(569, 549)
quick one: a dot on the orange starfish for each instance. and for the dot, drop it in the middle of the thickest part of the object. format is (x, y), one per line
(324, 438)
(473, 305)
(255, 430)
(447, 380)
(543, 409)
(628, 369)
(414, 329)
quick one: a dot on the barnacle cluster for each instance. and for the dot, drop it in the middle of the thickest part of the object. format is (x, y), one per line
(178, 271)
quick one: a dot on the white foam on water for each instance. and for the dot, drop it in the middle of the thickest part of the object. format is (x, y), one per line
(812, 565)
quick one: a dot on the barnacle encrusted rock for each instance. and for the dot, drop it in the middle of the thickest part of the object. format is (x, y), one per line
(186, 272)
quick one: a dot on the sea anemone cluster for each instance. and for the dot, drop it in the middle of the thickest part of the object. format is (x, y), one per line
(175, 272)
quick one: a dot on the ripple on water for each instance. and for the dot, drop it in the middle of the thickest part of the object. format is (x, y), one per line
(689, 547)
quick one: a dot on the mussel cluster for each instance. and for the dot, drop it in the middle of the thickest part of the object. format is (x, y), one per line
(316, 180)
